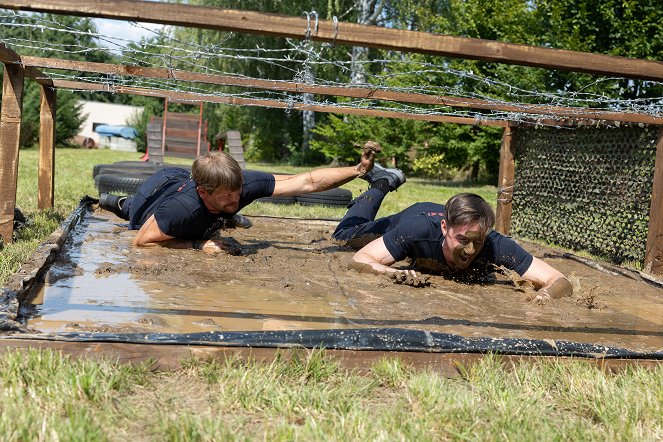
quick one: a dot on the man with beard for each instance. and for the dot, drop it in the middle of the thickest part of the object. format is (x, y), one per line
(177, 209)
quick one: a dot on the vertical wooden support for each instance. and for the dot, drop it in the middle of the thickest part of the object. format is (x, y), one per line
(654, 252)
(505, 181)
(47, 148)
(200, 129)
(163, 127)
(10, 133)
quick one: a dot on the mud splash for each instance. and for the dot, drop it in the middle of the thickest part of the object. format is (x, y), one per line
(290, 276)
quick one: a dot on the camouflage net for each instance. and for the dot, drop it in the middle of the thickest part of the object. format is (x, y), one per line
(585, 188)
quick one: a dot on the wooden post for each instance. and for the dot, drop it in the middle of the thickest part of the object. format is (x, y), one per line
(654, 252)
(10, 132)
(505, 181)
(163, 128)
(47, 148)
(200, 129)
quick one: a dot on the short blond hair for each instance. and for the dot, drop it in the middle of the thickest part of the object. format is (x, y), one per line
(217, 170)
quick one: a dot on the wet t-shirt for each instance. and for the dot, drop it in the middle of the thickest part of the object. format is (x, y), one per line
(419, 237)
(171, 196)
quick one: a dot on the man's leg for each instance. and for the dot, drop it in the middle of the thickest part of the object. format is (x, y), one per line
(358, 227)
(116, 204)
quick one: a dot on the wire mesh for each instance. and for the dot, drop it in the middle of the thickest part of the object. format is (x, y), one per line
(586, 188)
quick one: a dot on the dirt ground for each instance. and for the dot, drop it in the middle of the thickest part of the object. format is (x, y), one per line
(290, 276)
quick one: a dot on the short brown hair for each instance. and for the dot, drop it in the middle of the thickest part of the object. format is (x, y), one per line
(217, 170)
(469, 208)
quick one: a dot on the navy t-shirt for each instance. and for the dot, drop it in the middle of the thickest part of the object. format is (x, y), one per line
(171, 196)
(419, 237)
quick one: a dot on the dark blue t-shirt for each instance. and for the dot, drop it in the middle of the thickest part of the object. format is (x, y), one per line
(418, 236)
(171, 196)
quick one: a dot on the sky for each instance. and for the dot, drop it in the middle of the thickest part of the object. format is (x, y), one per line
(125, 30)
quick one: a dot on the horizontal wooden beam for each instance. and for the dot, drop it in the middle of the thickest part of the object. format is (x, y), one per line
(340, 91)
(194, 98)
(347, 34)
(8, 56)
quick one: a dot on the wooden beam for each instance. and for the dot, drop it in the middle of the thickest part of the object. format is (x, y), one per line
(46, 178)
(346, 34)
(10, 134)
(8, 56)
(340, 91)
(505, 181)
(654, 251)
(191, 97)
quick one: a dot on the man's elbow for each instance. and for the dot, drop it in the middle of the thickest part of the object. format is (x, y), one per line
(560, 287)
(140, 241)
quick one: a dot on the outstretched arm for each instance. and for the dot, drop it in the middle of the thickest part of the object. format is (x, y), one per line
(375, 258)
(327, 178)
(553, 284)
(150, 235)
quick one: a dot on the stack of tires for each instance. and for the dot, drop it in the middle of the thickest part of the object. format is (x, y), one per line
(125, 177)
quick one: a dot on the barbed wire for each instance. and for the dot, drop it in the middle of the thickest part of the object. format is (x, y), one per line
(298, 62)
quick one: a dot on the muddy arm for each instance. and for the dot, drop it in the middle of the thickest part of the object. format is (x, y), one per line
(327, 178)
(150, 235)
(553, 284)
(373, 258)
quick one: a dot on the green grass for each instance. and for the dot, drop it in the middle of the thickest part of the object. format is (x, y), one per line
(306, 395)
(302, 395)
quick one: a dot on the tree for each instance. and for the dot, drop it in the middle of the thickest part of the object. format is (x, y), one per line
(68, 118)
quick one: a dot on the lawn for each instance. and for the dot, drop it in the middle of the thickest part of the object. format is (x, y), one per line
(305, 395)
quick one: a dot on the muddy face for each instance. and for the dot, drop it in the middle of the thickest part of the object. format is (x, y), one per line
(462, 244)
(221, 200)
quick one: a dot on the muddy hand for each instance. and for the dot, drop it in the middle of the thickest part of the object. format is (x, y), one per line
(228, 245)
(409, 277)
(370, 149)
(542, 297)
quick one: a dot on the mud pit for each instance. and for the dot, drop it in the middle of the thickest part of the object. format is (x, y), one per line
(290, 276)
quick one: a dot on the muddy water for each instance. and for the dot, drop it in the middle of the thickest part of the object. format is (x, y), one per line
(291, 277)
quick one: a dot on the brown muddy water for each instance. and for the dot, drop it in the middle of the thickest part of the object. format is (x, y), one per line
(290, 276)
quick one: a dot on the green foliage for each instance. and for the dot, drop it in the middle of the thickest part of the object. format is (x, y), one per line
(68, 115)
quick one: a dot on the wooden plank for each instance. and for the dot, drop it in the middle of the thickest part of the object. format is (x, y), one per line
(164, 122)
(505, 181)
(170, 357)
(350, 92)
(200, 130)
(46, 178)
(75, 85)
(350, 34)
(654, 252)
(10, 134)
(8, 56)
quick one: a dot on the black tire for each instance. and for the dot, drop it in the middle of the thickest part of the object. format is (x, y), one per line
(278, 199)
(130, 168)
(118, 184)
(331, 197)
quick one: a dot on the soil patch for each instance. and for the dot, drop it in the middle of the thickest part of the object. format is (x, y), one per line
(291, 276)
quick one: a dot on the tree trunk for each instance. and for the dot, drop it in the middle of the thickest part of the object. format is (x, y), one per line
(369, 11)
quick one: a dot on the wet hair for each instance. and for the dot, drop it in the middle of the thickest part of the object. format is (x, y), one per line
(217, 170)
(469, 208)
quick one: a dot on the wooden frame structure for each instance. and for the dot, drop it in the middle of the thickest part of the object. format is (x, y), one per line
(16, 67)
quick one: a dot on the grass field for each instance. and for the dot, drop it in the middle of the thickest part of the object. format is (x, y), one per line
(306, 395)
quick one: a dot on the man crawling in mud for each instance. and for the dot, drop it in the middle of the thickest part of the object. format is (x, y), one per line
(177, 209)
(455, 240)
